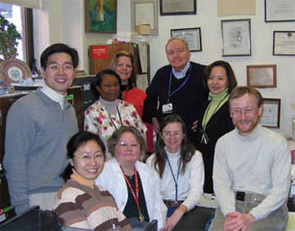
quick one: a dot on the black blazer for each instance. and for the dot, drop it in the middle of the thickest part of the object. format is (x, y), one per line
(219, 124)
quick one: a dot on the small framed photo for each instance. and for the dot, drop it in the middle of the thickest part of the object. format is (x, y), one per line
(178, 7)
(262, 76)
(101, 16)
(271, 113)
(236, 36)
(191, 35)
(279, 11)
(284, 42)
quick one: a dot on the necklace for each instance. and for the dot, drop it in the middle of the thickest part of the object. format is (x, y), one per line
(136, 193)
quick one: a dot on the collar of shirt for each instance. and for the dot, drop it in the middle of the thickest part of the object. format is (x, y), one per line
(170, 155)
(252, 136)
(180, 75)
(111, 106)
(53, 95)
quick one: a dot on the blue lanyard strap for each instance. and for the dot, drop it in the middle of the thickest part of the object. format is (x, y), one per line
(119, 118)
(181, 86)
(175, 179)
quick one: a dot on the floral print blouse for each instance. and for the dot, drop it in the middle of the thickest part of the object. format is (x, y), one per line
(99, 121)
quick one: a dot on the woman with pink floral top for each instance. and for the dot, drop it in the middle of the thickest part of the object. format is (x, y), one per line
(109, 112)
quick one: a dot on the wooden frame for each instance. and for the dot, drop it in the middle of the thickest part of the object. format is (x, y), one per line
(284, 43)
(279, 11)
(178, 7)
(262, 76)
(236, 36)
(145, 12)
(191, 35)
(101, 19)
(271, 113)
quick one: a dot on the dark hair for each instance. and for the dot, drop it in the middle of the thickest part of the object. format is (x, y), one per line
(114, 63)
(113, 140)
(231, 78)
(98, 79)
(187, 150)
(76, 141)
(243, 90)
(59, 48)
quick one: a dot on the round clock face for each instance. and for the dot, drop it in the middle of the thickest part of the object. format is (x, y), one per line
(15, 73)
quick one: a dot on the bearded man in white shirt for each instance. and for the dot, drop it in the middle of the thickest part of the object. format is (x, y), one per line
(251, 172)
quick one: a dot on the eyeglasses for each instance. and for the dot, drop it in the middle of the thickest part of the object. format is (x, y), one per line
(237, 112)
(125, 145)
(89, 158)
(170, 134)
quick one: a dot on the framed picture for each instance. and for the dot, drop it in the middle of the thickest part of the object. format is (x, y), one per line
(101, 16)
(284, 43)
(236, 36)
(262, 76)
(191, 35)
(271, 113)
(178, 7)
(279, 11)
(145, 12)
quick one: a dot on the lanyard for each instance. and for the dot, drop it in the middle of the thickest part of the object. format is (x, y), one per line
(119, 118)
(136, 194)
(175, 179)
(181, 86)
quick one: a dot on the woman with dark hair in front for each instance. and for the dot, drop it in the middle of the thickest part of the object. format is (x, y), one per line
(109, 113)
(81, 203)
(178, 167)
(220, 80)
(129, 180)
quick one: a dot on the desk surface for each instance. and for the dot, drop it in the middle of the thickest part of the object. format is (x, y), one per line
(196, 219)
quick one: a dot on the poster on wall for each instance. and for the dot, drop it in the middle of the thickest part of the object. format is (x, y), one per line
(101, 16)
(236, 7)
(279, 10)
(284, 43)
(271, 113)
(236, 36)
(191, 35)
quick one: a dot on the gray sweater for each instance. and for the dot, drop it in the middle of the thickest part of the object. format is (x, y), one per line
(37, 131)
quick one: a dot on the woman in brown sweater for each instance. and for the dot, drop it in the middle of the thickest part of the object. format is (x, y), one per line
(82, 204)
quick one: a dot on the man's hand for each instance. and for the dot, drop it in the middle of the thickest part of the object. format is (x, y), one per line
(238, 221)
(195, 125)
(156, 125)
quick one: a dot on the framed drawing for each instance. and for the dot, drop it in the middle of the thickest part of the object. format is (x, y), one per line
(178, 7)
(284, 43)
(191, 35)
(236, 36)
(262, 76)
(101, 16)
(271, 113)
(145, 12)
(279, 11)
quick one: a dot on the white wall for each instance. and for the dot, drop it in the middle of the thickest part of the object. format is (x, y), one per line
(65, 22)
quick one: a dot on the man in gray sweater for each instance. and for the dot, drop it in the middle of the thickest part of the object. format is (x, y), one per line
(38, 128)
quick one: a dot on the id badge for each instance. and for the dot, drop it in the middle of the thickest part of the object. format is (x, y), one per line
(167, 108)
